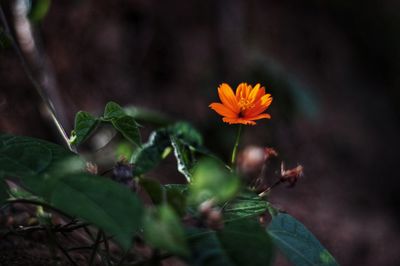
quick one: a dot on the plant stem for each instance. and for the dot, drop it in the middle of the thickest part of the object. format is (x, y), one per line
(235, 147)
(265, 192)
(49, 105)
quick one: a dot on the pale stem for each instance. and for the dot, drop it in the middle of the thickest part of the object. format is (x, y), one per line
(235, 147)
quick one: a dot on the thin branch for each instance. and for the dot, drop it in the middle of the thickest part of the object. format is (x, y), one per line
(107, 249)
(65, 252)
(36, 85)
(95, 247)
(265, 192)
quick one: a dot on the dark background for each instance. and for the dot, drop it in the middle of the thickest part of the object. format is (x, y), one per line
(332, 67)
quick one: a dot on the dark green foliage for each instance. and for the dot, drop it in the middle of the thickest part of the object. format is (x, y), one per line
(297, 243)
(128, 127)
(246, 243)
(85, 124)
(163, 229)
(206, 249)
(113, 111)
(110, 206)
(181, 137)
(242, 242)
(246, 204)
(151, 154)
(56, 175)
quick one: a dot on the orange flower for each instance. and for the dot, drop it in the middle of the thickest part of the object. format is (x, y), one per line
(247, 105)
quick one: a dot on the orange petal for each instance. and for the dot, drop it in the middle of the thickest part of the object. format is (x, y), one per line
(242, 91)
(266, 100)
(254, 92)
(227, 97)
(260, 106)
(238, 121)
(258, 117)
(222, 110)
(260, 93)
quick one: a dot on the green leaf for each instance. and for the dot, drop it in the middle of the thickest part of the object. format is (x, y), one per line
(85, 124)
(247, 204)
(182, 188)
(176, 199)
(113, 111)
(128, 127)
(183, 157)
(186, 133)
(124, 150)
(246, 243)
(20, 193)
(25, 156)
(162, 229)
(106, 204)
(212, 180)
(154, 189)
(39, 10)
(206, 249)
(184, 140)
(160, 194)
(151, 154)
(52, 173)
(297, 243)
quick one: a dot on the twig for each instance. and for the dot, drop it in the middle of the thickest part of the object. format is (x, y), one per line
(35, 84)
(65, 252)
(265, 192)
(95, 247)
(107, 249)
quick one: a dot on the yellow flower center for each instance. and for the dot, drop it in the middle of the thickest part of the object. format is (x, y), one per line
(245, 104)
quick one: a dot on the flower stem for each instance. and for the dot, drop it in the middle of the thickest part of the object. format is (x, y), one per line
(235, 147)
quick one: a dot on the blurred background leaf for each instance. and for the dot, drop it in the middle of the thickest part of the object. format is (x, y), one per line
(163, 230)
(212, 181)
(38, 10)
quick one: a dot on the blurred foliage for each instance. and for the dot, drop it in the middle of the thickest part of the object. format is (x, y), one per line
(38, 10)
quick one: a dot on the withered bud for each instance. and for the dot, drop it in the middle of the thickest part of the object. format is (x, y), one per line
(214, 220)
(270, 152)
(92, 168)
(122, 173)
(292, 175)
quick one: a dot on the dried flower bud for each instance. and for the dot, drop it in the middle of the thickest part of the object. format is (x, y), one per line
(292, 175)
(92, 168)
(122, 173)
(270, 152)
